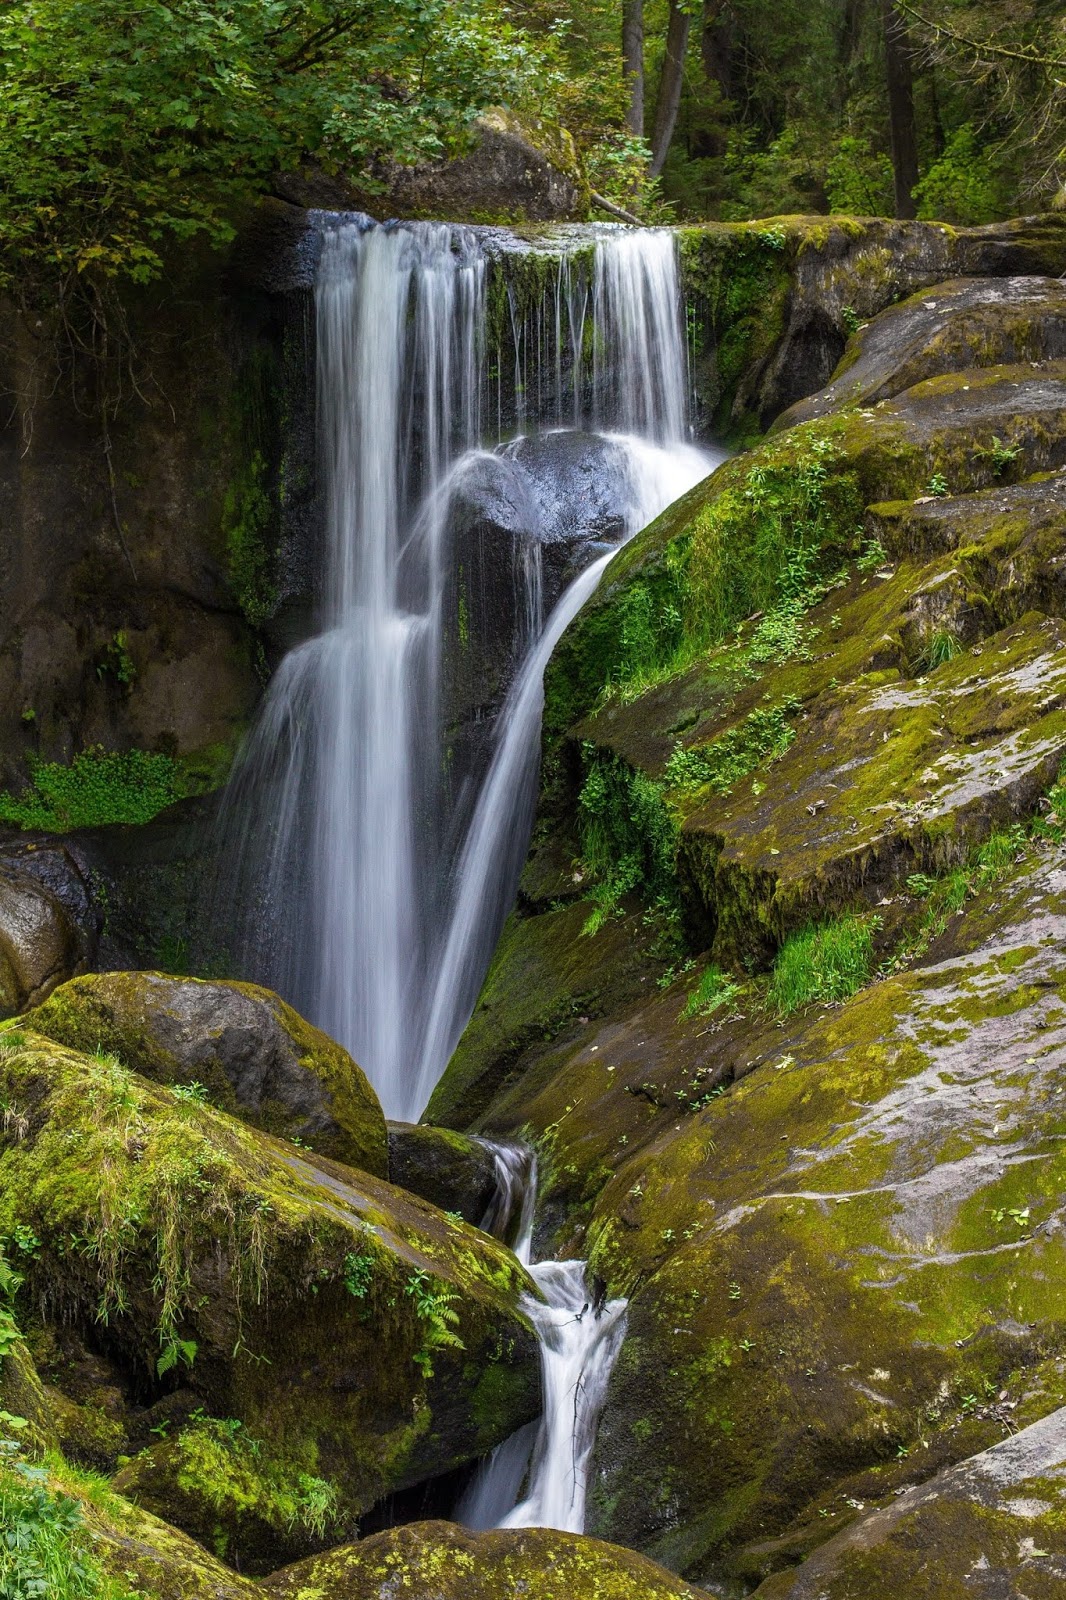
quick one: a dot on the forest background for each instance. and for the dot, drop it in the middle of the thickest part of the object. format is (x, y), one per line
(126, 127)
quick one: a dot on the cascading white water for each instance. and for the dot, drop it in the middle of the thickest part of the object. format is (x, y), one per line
(579, 1343)
(378, 888)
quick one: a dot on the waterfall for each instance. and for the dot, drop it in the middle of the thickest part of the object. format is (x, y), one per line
(579, 1343)
(374, 868)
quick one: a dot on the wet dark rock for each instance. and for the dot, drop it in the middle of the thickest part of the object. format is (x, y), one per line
(454, 1172)
(48, 923)
(248, 1050)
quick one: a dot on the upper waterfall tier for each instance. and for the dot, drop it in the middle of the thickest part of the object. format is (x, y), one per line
(351, 813)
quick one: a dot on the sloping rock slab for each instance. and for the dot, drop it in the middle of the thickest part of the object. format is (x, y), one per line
(991, 1527)
(967, 322)
(439, 1561)
(882, 780)
(253, 1054)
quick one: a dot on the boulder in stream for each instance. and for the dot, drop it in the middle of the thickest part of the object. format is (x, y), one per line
(439, 1561)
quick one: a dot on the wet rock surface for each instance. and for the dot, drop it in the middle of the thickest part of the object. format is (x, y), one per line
(837, 1219)
(247, 1050)
(994, 1521)
(966, 323)
(354, 1336)
(453, 1172)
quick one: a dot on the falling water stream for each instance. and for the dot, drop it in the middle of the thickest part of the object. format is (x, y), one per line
(374, 881)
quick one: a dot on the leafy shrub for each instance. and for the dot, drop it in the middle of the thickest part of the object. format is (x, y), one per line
(45, 1547)
(764, 735)
(98, 787)
(827, 963)
(859, 180)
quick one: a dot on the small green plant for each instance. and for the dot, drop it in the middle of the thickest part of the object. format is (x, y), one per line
(10, 1280)
(942, 646)
(433, 1307)
(116, 661)
(872, 554)
(823, 964)
(763, 736)
(175, 1352)
(1001, 455)
(938, 486)
(850, 318)
(358, 1274)
(45, 1548)
(628, 837)
(194, 1093)
(714, 990)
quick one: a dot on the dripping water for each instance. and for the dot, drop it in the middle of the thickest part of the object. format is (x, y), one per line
(580, 1338)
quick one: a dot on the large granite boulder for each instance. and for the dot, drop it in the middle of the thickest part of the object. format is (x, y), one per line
(249, 1052)
(357, 1339)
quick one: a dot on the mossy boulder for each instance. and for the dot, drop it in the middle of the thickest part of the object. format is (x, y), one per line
(439, 1561)
(22, 1396)
(139, 1553)
(961, 324)
(252, 1054)
(454, 1172)
(366, 1339)
(846, 1262)
(776, 299)
(235, 1496)
(991, 1525)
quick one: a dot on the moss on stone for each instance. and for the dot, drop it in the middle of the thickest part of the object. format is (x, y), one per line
(449, 1563)
(249, 1052)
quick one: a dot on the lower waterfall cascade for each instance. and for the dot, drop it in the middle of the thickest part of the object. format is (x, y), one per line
(580, 1338)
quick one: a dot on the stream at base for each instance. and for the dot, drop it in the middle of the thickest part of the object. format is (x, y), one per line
(580, 1338)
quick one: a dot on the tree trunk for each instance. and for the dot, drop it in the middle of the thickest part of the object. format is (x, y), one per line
(716, 48)
(669, 97)
(900, 109)
(633, 63)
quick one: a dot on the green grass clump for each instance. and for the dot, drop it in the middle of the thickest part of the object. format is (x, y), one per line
(98, 787)
(714, 990)
(628, 836)
(764, 735)
(45, 1548)
(825, 963)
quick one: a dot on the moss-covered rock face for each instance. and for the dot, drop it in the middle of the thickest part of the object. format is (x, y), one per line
(969, 322)
(776, 300)
(995, 1523)
(453, 1172)
(364, 1338)
(438, 1561)
(838, 1265)
(546, 981)
(246, 1050)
